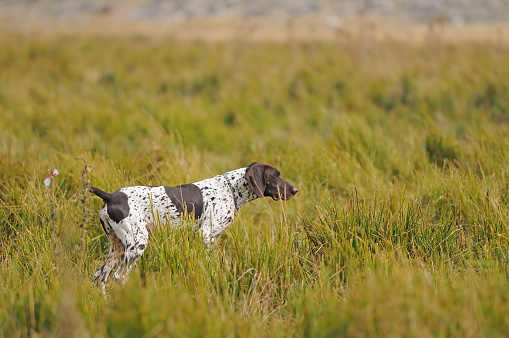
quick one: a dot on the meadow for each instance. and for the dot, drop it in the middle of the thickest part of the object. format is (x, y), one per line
(399, 151)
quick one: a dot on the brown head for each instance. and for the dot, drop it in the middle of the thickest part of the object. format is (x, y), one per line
(265, 180)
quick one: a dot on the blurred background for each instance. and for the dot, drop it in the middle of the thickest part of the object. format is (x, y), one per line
(273, 20)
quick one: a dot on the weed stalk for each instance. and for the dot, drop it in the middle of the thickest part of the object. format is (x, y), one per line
(83, 204)
(53, 207)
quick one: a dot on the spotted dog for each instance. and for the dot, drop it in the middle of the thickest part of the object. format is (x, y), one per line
(129, 214)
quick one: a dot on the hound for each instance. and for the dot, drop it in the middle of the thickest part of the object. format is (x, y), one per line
(129, 214)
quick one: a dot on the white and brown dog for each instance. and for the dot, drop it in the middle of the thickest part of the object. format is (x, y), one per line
(129, 214)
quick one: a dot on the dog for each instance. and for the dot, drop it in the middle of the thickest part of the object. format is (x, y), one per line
(129, 214)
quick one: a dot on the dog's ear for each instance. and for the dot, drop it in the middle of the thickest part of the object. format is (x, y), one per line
(255, 176)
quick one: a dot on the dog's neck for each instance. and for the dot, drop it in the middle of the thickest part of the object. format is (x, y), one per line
(241, 190)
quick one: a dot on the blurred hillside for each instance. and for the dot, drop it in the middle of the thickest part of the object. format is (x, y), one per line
(225, 19)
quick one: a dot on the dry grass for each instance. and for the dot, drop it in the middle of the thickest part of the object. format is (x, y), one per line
(399, 152)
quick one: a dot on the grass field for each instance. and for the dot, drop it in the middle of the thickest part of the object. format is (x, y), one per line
(400, 152)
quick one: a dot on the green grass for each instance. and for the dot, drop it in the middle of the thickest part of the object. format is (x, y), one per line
(399, 151)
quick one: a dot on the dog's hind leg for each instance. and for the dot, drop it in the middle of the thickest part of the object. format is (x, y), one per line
(133, 250)
(112, 261)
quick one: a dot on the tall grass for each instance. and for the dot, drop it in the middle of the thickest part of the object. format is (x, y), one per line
(399, 152)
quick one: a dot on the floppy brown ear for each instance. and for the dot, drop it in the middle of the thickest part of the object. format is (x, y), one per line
(255, 177)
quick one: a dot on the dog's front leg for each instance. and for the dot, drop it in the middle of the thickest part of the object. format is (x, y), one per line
(206, 228)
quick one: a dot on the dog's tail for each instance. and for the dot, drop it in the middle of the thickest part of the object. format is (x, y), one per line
(106, 196)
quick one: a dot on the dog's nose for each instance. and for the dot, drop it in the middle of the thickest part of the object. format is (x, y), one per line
(295, 190)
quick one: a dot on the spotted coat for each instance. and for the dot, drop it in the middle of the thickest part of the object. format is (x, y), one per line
(129, 215)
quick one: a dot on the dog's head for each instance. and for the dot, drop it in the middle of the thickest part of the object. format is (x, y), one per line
(265, 180)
